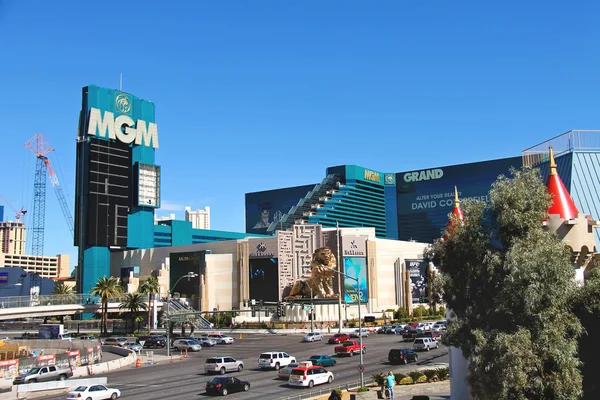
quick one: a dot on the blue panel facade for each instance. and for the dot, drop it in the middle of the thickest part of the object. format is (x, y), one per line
(585, 185)
(179, 233)
(13, 275)
(1, 213)
(391, 216)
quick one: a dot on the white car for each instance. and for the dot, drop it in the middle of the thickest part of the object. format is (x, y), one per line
(309, 376)
(275, 359)
(358, 333)
(221, 339)
(133, 346)
(312, 337)
(425, 343)
(94, 392)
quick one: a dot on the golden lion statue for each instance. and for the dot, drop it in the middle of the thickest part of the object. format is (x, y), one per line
(322, 269)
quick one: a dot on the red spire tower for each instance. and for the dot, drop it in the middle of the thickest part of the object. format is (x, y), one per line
(455, 216)
(562, 203)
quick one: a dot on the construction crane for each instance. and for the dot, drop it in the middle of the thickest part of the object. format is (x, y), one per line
(40, 148)
(18, 213)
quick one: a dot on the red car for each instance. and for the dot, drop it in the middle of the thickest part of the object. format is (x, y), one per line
(338, 338)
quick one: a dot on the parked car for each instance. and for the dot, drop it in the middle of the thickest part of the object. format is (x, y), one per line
(43, 374)
(206, 341)
(284, 373)
(223, 364)
(179, 337)
(223, 386)
(135, 346)
(94, 392)
(91, 338)
(402, 356)
(425, 344)
(275, 359)
(439, 326)
(358, 333)
(312, 337)
(410, 334)
(114, 341)
(153, 341)
(186, 345)
(308, 376)
(322, 360)
(339, 338)
(221, 339)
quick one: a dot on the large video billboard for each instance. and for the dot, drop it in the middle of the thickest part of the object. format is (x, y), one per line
(426, 197)
(264, 279)
(181, 264)
(264, 208)
(417, 269)
(355, 267)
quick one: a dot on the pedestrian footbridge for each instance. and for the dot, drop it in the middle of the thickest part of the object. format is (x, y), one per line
(56, 305)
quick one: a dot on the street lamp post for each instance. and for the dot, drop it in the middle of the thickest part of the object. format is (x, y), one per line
(360, 332)
(312, 311)
(189, 276)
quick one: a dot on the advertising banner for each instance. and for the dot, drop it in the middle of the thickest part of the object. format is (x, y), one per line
(355, 267)
(354, 246)
(47, 359)
(74, 358)
(263, 248)
(3, 277)
(9, 368)
(264, 279)
(417, 270)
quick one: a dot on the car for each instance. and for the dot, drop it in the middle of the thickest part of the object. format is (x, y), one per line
(275, 359)
(410, 334)
(223, 364)
(425, 344)
(93, 392)
(309, 375)
(179, 337)
(358, 333)
(322, 360)
(186, 345)
(206, 341)
(135, 346)
(221, 339)
(338, 338)
(402, 356)
(114, 341)
(223, 386)
(312, 337)
(153, 341)
(91, 338)
(284, 373)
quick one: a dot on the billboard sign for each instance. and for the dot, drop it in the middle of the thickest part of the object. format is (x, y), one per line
(417, 269)
(263, 248)
(426, 197)
(355, 267)
(265, 209)
(3, 277)
(354, 246)
(264, 279)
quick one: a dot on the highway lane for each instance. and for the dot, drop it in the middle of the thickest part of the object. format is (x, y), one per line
(186, 379)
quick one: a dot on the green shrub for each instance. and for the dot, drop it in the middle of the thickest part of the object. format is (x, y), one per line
(422, 379)
(407, 380)
(363, 389)
(378, 379)
(431, 375)
(442, 311)
(420, 311)
(352, 324)
(415, 375)
(398, 377)
(443, 373)
(339, 392)
(401, 313)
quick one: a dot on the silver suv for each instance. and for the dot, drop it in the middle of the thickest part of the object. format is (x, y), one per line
(187, 345)
(223, 364)
(425, 343)
(275, 359)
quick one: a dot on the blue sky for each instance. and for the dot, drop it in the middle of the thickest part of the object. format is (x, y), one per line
(254, 95)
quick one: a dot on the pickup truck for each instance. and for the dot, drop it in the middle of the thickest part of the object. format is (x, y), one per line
(43, 374)
(350, 348)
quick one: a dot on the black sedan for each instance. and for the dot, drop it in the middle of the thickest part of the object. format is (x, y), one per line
(222, 386)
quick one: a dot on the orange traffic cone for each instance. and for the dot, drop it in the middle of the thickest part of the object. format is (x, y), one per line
(181, 355)
(186, 354)
(138, 363)
(171, 358)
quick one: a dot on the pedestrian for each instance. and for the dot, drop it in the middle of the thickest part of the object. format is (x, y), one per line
(383, 385)
(334, 395)
(390, 385)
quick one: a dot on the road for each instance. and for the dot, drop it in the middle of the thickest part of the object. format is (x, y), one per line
(185, 379)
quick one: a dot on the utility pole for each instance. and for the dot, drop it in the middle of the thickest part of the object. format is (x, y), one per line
(340, 274)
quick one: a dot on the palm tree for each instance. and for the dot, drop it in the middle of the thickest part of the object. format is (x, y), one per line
(65, 293)
(133, 302)
(150, 287)
(106, 288)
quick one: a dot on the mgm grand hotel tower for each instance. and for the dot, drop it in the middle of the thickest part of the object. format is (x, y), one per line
(117, 181)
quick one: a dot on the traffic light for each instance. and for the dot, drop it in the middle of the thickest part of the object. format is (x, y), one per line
(253, 312)
(278, 311)
(266, 312)
(261, 303)
(234, 312)
(283, 310)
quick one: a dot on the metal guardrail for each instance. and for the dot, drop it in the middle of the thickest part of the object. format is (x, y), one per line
(569, 141)
(53, 300)
(326, 390)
